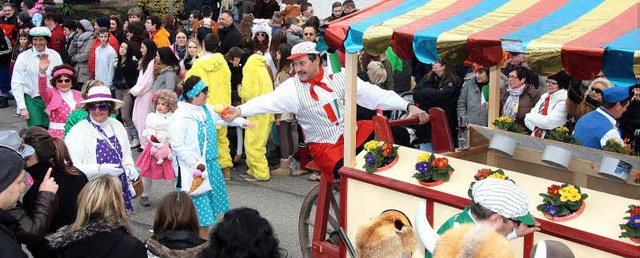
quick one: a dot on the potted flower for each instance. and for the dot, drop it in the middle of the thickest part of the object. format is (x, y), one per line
(380, 155)
(432, 171)
(612, 167)
(562, 202)
(631, 229)
(501, 143)
(555, 155)
(487, 173)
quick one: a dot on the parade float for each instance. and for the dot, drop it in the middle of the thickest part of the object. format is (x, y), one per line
(581, 37)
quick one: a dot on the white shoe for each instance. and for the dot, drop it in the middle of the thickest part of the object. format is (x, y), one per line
(135, 143)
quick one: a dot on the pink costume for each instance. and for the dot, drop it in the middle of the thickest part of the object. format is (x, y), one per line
(155, 162)
(57, 107)
(143, 106)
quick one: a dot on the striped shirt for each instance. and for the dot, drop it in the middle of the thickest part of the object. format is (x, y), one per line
(323, 120)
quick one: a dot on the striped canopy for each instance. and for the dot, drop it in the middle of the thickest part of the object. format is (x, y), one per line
(582, 36)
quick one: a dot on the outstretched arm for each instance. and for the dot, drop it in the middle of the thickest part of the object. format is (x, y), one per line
(427, 235)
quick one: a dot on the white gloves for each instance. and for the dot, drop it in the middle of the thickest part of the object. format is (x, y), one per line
(427, 235)
(110, 169)
(132, 172)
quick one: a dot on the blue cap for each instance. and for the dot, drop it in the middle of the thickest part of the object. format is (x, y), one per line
(615, 94)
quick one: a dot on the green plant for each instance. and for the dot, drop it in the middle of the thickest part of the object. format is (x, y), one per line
(507, 124)
(431, 169)
(562, 134)
(484, 174)
(66, 9)
(632, 227)
(614, 145)
(378, 154)
(160, 7)
(561, 200)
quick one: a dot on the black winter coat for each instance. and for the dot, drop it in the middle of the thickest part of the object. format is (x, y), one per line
(428, 94)
(98, 239)
(176, 244)
(229, 37)
(9, 246)
(69, 188)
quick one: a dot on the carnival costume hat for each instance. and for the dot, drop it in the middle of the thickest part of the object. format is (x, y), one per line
(100, 94)
(504, 198)
(615, 94)
(303, 48)
(40, 32)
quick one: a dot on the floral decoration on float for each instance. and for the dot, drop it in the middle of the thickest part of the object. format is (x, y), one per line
(432, 171)
(487, 173)
(631, 229)
(380, 156)
(562, 202)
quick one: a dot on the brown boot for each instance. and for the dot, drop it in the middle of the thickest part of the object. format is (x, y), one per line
(283, 170)
(226, 173)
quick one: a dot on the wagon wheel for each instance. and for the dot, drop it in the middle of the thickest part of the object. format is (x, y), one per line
(307, 215)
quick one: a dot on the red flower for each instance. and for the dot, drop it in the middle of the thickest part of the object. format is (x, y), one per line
(483, 173)
(635, 211)
(386, 149)
(553, 190)
(637, 175)
(440, 163)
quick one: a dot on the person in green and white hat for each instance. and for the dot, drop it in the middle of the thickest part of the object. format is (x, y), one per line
(24, 82)
(499, 203)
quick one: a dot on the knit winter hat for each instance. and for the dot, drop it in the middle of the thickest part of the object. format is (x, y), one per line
(12, 164)
(86, 25)
(103, 22)
(562, 78)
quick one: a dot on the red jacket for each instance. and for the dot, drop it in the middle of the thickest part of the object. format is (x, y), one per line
(92, 55)
(57, 39)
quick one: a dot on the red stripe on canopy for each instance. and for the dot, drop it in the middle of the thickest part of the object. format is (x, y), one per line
(337, 31)
(582, 58)
(402, 39)
(485, 47)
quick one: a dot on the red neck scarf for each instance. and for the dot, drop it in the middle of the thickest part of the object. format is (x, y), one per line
(317, 81)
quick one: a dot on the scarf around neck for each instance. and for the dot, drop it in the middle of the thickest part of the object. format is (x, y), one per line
(511, 104)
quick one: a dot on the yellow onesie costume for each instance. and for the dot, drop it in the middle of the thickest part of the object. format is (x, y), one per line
(214, 71)
(256, 82)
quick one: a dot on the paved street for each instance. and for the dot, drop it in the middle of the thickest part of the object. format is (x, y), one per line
(278, 200)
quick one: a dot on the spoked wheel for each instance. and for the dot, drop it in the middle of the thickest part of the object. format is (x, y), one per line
(306, 221)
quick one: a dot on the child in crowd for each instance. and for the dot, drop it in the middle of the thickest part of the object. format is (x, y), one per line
(175, 228)
(105, 55)
(22, 44)
(61, 100)
(155, 162)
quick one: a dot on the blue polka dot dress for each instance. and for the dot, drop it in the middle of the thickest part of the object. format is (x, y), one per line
(209, 205)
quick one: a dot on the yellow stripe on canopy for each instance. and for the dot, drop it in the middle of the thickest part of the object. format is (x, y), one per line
(376, 39)
(452, 45)
(544, 53)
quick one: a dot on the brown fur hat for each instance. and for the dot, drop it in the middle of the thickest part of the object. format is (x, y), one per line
(473, 241)
(388, 235)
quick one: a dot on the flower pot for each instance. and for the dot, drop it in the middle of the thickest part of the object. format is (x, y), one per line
(635, 240)
(556, 156)
(503, 145)
(568, 217)
(614, 169)
(388, 166)
(433, 184)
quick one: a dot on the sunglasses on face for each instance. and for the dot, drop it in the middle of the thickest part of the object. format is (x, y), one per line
(309, 34)
(65, 80)
(597, 91)
(261, 34)
(517, 222)
(98, 106)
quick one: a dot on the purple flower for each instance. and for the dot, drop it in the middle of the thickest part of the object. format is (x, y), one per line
(635, 221)
(551, 209)
(423, 167)
(370, 158)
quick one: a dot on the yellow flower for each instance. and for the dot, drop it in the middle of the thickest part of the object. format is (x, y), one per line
(424, 157)
(574, 197)
(564, 198)
(505, 119)
(496, 175)
(562, 129)
(369, 146)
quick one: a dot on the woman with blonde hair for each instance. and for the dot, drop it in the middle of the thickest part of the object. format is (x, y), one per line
(175, 228)
(193, 49)
(580, 104)
(101, 228)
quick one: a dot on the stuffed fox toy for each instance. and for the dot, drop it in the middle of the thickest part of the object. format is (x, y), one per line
(388, 235)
